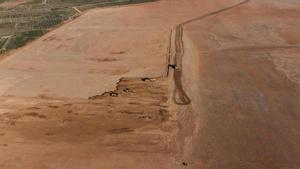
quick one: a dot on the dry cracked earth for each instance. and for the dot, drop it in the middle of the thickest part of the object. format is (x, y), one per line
(195, 84)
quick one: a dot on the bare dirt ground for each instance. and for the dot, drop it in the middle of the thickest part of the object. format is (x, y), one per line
(246, 79)
(231, 102)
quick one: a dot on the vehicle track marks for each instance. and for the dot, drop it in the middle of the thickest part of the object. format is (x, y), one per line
(77, 10)
(180, 97)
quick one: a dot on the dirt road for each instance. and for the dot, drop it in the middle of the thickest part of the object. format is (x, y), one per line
(243, 86)
(179, 48)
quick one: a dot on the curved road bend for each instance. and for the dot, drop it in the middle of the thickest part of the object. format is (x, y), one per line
(180, 97)
(252, 120)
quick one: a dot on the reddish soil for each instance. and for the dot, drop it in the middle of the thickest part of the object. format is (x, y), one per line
(98, 92)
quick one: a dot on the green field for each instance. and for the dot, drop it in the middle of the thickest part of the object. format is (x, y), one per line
(33, 18)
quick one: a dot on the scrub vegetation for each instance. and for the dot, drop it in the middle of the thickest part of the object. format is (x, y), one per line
(26, 21)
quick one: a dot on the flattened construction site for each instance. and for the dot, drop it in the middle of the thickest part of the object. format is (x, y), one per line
(166, 84)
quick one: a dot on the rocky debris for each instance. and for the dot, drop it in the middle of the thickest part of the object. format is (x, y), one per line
(147, 79)
(127, 90)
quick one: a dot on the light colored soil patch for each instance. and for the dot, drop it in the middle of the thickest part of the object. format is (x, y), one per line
(12, 3)
(59, 64)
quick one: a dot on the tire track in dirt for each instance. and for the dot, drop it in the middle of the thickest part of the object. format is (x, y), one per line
(180, 97)
(260, 48)
(7, 41)
(77, 10)
(169, 52)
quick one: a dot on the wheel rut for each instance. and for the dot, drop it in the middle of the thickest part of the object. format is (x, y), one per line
(180, 97)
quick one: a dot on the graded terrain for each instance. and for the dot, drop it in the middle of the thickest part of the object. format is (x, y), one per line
(169, 84)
